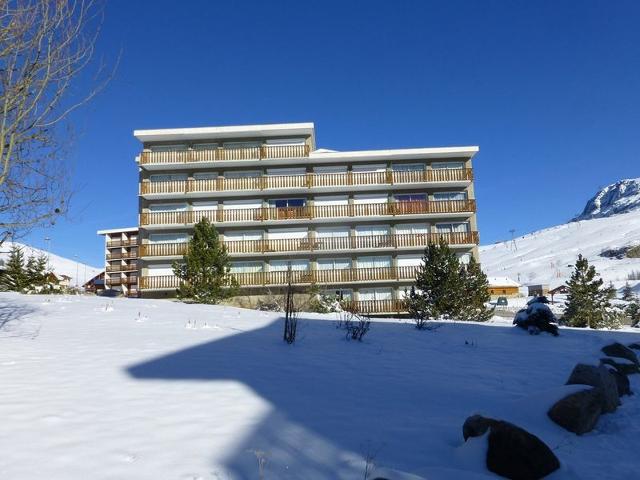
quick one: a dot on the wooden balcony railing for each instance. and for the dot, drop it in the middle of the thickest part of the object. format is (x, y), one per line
(221, 154)
(375, 306)
(122, 255)
(328, 277)
(308, 212)
(122, 268)
(309, 180)
(122, 243)
(132, 280)
(319, 244)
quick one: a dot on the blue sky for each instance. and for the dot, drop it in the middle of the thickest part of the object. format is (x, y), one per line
(549, 90)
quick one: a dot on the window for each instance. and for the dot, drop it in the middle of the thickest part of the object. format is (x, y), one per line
(168, 148)
(285, 141)
(286, 171)
(205, 146)
(439, 196)
(240, 144)
(371, 198)
(241, 204)
(200, 206)
(168, 207)
(246, 267)
(452, 227)
(160, 270)
(412, 228)
(465, 258)
(331, 169)
(411, 197)
(283, 233)
(205, 176)
(331, 200)
(288, 202)
(374, 262)
(168, 177)
(167, 238)
(243, 235)
(332, 232)
(297, 265)
(340, 294)
(407, 167)
(334, 263)
(375, 294)
(368, 230)
(242, 174)
(447, 165)
(409, 260)
(369, 167)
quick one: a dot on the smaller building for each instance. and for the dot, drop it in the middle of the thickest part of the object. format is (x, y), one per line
(536, 290)
(503, 287)
(96, 284)
(121, 260)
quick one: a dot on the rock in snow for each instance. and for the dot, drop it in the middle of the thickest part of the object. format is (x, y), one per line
(512, 451)
(620, 197)
(578, 412)
(620, 351)
(598, 377)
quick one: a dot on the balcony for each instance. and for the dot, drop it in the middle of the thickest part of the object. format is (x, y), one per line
(122, 243)
(188, 217)
(224, 154)
(375, 306)
(304, 277)
(122, 255)
(122, 268)
(308, 181)
(319, 244)
(122, 281)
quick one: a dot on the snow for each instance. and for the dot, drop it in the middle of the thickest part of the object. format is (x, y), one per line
(620, 197)
(59, 265)
(155, 389)
(547, 256)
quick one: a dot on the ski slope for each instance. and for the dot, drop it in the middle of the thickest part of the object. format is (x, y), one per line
(96, 388)
(547, 256)
(59, 265)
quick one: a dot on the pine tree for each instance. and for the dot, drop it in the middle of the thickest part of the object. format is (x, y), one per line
(438, 289)
(14, 277)
(36, 271)
(205, 268)
(475, 293)
(633, 312)
(627, 293)
(588, 304)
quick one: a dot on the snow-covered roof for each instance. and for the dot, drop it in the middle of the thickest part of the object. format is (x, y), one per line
(117, 230)
(235, 131)
(502, 282)
(399, 153)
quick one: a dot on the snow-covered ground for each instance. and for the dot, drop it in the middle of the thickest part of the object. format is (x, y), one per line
(150, 389)
(548, 256)
(59, 265)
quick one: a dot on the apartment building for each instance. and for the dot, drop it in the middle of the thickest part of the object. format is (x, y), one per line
(352, 223)
(121, 260)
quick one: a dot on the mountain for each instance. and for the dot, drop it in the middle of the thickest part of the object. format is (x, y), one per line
(547, 256)
(620, 197)
(59, 265)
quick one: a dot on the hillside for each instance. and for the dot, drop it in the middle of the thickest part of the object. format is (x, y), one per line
(620, 197)
(59, 265)
(152, 389)
(547, 256)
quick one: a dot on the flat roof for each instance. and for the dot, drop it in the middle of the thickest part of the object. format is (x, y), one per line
(438, 152)
(237, 131)
(117, 230)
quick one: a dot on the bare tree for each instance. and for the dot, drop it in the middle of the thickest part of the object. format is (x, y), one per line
(44, 46)
(290, 312)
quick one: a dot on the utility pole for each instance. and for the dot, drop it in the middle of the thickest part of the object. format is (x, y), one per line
(513, 239)
(48, 243)
(77, 267)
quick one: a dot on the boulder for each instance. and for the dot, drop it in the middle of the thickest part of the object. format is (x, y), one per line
(578, 412)
(635, 346)
(598, 377)
(476, 426)
(620, 351)
(622, 381)
(624, 368)
(515, 453)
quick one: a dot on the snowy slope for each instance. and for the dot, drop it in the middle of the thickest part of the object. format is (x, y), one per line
(620, 197)
(59, 265)
(152, 389)
(544, 256)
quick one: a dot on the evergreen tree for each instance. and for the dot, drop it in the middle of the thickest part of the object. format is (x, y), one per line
(633, 312)
(627, 293)
(475, 293)
(205, 268)
(439, 286)
(14, 277)
(588, 304)
(36, 271)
